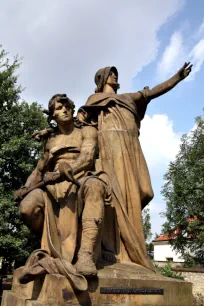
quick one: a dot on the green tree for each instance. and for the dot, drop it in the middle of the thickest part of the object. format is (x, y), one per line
(183, 191)
(18, 156)
(146, 224)
(147, 231)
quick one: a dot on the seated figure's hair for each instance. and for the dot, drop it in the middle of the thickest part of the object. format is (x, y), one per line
(51, 106)
(59, 98)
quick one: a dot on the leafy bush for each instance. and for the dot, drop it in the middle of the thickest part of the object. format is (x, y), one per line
(168, 271)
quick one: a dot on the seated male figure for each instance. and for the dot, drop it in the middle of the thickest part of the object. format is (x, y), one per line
(69, 151)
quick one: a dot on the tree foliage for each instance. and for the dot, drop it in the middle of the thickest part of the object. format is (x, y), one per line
(18, 157)
(183, 191)
(146, 224)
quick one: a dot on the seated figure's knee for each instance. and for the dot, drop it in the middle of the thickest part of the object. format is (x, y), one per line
(95, 185)
(31, 201)
(32, 208)
(94, 200)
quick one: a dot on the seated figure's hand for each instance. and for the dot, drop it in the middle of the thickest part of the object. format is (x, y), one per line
(66, 171)
(43, 134)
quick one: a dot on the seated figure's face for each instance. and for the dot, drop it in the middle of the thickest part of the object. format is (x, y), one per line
(62, 112)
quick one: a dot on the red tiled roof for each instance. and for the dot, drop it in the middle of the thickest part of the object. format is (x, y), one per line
(163, 237)
(192, 219)
(166, 237)
(173, 235)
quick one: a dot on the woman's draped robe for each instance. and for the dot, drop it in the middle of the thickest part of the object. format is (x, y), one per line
(118, 118)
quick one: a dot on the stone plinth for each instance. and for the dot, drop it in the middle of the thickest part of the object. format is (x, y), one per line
(119, 284)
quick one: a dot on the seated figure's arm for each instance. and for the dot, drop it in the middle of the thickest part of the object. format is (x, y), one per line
(43, 134)
(37, 174)
(165, 86)
(86, 158)
(35, 178)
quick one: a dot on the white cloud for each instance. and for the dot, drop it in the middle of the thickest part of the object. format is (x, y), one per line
(197, 58)
(159, 142)
(63, 43)
(178, 52)
(201, 30)
(172, 56)
(160, 145)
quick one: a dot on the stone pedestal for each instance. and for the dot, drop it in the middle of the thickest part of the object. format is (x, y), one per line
(119, 284)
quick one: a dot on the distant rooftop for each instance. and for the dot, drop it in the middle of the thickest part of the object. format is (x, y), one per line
(173, 235)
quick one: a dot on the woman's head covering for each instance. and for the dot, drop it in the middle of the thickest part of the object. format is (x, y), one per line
(101, 77)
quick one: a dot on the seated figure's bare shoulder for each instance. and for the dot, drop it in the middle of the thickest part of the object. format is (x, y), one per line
(89, 132)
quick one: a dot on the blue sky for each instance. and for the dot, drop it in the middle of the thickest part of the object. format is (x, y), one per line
(182, 104)
(186, 97)
(63, 43)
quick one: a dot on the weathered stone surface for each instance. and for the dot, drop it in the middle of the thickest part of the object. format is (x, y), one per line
(56, 290)
(198, 281)
(86, 199)
(30, 290)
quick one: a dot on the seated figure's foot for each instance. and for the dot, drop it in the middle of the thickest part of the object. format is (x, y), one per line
(85, 265)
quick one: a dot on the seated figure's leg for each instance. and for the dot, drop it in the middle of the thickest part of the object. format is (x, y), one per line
(32, 210)
(92, 217)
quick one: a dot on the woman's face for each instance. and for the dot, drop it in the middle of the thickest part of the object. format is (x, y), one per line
(112, 79)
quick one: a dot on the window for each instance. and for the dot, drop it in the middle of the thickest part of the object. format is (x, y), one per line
(169, 259)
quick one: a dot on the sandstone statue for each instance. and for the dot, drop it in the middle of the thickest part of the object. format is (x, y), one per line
(64, 200)
(117, 118)
(86, 195)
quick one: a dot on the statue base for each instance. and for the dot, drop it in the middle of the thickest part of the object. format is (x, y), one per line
(118, 284)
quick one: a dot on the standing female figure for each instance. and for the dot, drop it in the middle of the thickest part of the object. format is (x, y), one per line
(118, 118)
